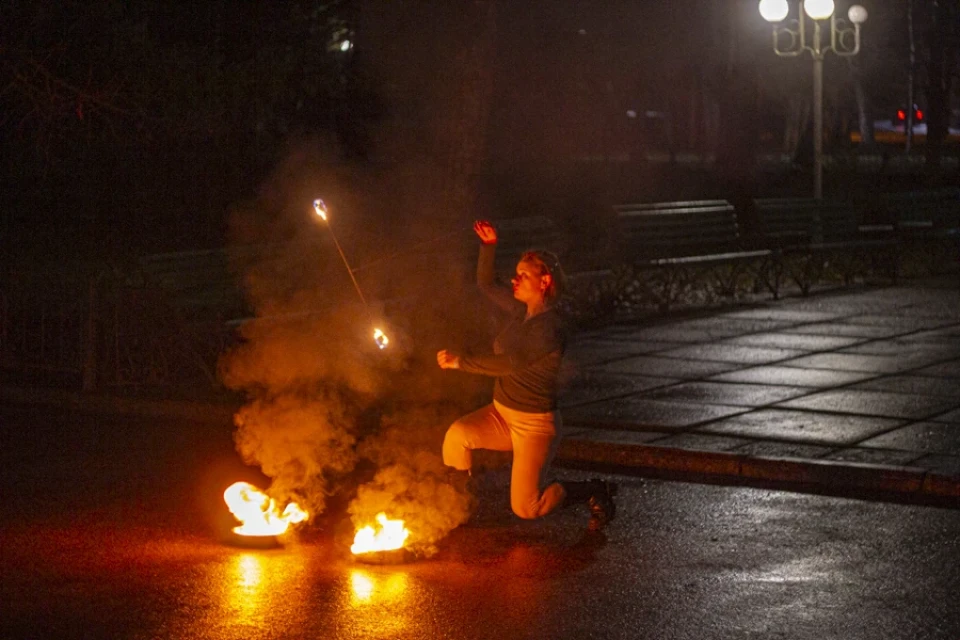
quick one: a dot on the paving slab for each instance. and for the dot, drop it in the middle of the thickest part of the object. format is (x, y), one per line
(737, 354)
(927, 437)
(873, 403)
(671, 335)
(853, 362)
(841, 329)
(794, 316)
(658, 366)
(738, 394)
(777, 449)
(949, 416)
(620, 436)
(919, 385)
(596, 351)
(948, 336)
(702, 442)
(919, 353)
(722, 325)
(802, 426)
(799, 341)
(904, 321)
(874, 456)
(591, 386)
(640, 413)
(793, 376)
(945, 369)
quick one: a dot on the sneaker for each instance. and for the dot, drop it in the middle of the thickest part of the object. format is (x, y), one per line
(602, 507)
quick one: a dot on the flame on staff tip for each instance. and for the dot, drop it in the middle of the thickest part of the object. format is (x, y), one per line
(380, 338)
(259, 512)
(391, 536)
(320, 207)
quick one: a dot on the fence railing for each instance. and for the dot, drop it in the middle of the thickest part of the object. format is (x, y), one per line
(99, 333)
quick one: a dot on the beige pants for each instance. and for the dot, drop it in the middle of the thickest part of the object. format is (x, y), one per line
(533, 438)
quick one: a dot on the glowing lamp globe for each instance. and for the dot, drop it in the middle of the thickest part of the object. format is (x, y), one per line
(818, 9)
(774, 10)
(857, 14)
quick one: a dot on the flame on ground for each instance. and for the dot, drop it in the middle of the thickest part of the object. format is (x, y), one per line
(259, 512)
(392, 535)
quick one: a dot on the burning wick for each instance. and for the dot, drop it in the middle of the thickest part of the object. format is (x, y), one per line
(392, 535)
(321, 208)
(258, 512)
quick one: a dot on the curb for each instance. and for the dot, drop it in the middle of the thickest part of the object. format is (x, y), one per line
(797, 474)
(792, 473)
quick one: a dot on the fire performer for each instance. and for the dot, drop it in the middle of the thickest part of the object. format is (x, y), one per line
(525, 363)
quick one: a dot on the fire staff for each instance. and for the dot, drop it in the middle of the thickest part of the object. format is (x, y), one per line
(525, 364)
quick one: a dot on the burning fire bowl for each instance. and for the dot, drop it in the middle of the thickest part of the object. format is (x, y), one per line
(253, 542)
(394, 556)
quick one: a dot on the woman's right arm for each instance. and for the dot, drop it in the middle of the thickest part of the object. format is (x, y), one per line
(486, 269)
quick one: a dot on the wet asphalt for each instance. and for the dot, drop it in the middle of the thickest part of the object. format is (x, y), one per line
(131, 545)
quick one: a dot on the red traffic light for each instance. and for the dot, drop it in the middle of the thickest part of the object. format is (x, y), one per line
(917, 115)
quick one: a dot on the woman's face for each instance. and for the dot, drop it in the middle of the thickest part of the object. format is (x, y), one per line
(528, 284)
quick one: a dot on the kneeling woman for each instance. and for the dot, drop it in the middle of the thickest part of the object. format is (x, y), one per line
(525, 363)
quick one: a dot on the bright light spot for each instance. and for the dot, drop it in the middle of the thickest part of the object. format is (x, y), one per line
(774, 10)
(259, 512)
(380, 338)
(346, 45)
(392, 535)
(819, 9)
(582, 32)
(857, 14)
(631, 113)
(362, 585)
(320, 207)
(249, 570)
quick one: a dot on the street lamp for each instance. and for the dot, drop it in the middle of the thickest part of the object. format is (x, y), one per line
(844, 41)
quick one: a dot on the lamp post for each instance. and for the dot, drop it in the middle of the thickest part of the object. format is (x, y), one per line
(844, 42)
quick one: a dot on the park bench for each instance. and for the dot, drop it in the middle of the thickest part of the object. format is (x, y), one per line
(926, 223)
(687, 242)
(813, 237)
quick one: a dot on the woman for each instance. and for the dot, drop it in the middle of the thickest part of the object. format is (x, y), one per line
(525, 363)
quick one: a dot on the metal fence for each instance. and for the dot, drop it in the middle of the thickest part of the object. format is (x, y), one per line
(101, 331)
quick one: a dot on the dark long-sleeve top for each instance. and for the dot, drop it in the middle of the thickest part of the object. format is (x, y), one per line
(527, 352)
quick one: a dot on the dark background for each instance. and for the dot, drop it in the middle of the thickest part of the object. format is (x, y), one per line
(131, 128)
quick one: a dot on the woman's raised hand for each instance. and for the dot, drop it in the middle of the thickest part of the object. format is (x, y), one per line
(448, 360)
(486, 232)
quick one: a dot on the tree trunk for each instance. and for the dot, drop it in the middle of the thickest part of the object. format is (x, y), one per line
(939, 80)
(864, 113)
(911, 77)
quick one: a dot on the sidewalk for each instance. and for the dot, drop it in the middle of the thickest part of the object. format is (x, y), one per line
(855, 391)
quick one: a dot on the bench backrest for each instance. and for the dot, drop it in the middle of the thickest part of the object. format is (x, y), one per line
(797, 217)
(938, 207)
(677, 229)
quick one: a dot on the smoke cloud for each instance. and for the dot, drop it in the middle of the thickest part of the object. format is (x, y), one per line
(412, 483)
(314, 380)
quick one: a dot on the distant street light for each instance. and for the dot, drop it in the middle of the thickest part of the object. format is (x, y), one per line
(844, 41)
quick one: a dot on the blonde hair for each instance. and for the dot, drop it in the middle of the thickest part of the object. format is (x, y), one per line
(547, 263)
